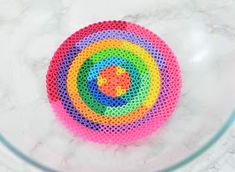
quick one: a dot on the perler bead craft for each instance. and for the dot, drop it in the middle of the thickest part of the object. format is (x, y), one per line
(113, 82)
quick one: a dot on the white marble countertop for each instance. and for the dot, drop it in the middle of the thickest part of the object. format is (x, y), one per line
(57, 19)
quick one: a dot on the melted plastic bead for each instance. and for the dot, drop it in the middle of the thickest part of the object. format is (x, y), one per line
(113, 82)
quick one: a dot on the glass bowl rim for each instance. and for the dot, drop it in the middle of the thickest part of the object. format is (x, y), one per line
(228, 123)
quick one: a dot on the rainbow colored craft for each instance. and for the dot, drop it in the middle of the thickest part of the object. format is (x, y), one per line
(113, 82)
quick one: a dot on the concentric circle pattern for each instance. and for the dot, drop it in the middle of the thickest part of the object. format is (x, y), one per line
(113, 82)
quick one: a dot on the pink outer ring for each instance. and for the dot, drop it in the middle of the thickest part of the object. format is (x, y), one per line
(131, 135)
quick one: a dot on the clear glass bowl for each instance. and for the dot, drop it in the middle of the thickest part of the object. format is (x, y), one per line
(201, 34)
